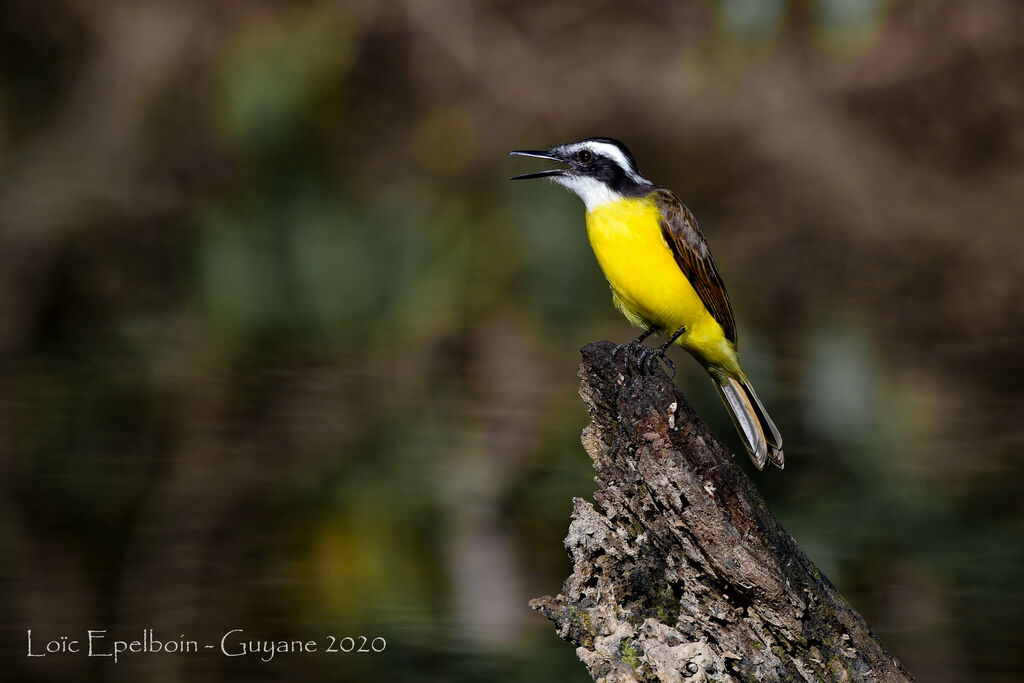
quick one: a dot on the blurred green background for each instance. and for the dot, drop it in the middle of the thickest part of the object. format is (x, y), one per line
(281, 349)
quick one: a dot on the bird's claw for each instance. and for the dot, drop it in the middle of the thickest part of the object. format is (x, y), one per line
(650, 358)
(641, 358)
(669, 363)
(646, 357)
(629, 351)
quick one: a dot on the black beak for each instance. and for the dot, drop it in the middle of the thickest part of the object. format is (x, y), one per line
(540, 154)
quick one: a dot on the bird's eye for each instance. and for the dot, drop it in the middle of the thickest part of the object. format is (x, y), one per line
(584, 156)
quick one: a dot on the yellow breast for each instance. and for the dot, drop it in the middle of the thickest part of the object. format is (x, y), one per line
(647, 284)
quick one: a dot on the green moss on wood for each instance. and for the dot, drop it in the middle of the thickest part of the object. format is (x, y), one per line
(629, 653)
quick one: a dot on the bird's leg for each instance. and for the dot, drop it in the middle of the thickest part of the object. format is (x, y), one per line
(651, 357)
(621, 348)
(642, 337)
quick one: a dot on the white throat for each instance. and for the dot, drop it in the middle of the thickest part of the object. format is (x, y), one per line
(593, 192)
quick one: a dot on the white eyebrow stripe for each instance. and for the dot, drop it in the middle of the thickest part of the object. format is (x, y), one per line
(615, 154)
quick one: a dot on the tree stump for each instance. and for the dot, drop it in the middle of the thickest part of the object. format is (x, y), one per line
(682, 574)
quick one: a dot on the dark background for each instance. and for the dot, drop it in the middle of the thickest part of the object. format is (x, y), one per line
(281, 349)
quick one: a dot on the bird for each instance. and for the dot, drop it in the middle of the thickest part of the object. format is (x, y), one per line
(662, 276)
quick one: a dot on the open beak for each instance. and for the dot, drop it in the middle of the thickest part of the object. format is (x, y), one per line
(540, 154)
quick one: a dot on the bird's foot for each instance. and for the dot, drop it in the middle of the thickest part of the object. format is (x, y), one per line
(651, 357)
(633, 349)
(648, 358)
(642, 359)
(635, 346)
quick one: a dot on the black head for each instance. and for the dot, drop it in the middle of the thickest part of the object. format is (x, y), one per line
(597, 169)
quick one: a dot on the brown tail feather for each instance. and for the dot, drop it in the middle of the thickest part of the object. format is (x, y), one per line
(760, 436)
(743, 416)
(771, 432)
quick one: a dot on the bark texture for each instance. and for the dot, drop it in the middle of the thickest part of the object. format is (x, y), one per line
(682, 573)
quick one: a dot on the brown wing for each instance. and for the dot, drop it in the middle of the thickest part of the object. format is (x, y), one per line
(694, 258)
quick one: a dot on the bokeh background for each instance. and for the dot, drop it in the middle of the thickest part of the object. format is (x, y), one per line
(281, 349)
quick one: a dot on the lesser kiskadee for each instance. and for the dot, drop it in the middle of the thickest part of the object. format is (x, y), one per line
(661, 273)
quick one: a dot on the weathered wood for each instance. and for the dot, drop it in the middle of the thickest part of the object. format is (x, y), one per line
(682, 574)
